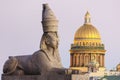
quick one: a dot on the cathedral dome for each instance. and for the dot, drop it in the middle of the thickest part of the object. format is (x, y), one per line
(118, 67)
(87, 32)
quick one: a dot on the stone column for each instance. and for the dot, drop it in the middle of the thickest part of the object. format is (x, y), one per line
(103, 60)
(83, 60)
(79, 60)
(88, 58)
(71, 60)
(99, 59)
(75, 60)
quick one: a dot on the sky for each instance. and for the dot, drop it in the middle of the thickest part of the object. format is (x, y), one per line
(21, 29)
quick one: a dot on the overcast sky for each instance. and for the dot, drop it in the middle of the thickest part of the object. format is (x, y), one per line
(21, 29)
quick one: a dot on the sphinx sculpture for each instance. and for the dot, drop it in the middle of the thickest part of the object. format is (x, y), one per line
(43, 61)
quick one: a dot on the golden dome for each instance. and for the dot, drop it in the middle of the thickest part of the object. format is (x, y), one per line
(87, 32)
(118, 66)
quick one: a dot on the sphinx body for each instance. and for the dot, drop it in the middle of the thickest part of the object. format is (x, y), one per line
(19, 65)
(44, 60)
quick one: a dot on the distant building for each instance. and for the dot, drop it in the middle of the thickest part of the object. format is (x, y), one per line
(87, 52)
(87, 55)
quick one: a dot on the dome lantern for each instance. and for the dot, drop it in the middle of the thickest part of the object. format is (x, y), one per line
(87, 18)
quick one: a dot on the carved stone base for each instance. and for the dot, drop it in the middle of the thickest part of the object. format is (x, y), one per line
(34, 77)
(25, 77)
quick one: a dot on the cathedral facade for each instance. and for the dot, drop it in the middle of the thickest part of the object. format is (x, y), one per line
(87, 53)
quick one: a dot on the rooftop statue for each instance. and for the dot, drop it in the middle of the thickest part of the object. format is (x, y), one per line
(43, 61)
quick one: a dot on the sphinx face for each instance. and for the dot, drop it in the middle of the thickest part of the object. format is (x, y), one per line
(53, 40)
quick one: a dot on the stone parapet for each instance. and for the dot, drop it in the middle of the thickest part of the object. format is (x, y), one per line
(33, 77)
(24, 77)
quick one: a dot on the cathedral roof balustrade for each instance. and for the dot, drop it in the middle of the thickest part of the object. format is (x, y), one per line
(87, 47)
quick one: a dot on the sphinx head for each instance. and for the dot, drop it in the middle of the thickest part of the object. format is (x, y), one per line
(49, 40)
(50, 28)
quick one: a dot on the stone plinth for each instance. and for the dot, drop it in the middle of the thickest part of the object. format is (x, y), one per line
(25, 77)
(33, 77)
